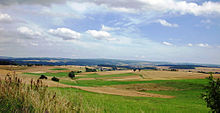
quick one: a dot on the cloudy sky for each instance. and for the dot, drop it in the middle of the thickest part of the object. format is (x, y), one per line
(152, 30)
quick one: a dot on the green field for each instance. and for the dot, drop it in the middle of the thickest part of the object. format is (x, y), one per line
(59, 69)
(187, 100)
(162, 82)
(95, 75)
(60, 74)
(187, 95)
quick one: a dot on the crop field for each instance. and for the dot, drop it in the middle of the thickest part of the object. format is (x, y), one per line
(123, 91)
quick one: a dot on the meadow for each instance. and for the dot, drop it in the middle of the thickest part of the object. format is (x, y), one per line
(187, 98)
(148, 91)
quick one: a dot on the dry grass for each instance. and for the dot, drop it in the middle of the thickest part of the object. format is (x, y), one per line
(208, 69)
(44, 69)
(114, 72)
(124, 78)
(144, 87)
(15, 96)
(170, 75)
(121, 92)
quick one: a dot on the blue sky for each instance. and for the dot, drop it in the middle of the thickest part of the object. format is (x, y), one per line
(152, 30)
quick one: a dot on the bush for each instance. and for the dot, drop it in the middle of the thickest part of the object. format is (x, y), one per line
(90, 70)
(43, 77)
(79, 72)
(134, 69)
(72, 74)
(55, 79)
(212, 94)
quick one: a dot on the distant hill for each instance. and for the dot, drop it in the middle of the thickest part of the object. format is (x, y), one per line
(89, 62)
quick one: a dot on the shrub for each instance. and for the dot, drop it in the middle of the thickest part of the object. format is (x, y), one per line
(90, 70)
(212, 94)
(55, 79)
(79, 71)
(134, 69)
(72, 74)
(43, 77)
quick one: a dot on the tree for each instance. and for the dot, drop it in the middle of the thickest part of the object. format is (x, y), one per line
(139, 69)
(72, 74)
(134, 69)
(90, 70)
(43, 77)
(55, 79)
(212, 94)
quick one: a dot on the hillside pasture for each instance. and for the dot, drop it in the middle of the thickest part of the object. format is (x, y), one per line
(125, 91)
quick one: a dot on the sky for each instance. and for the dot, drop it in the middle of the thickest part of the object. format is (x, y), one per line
(152, 30)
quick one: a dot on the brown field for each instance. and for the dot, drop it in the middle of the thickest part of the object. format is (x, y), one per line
(41, 69)
(124, 78)
(208, 69)
(171, 75)
(144, 87)
(121, 92)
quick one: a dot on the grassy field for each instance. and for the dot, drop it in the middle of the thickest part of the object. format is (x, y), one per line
(106, 83)
(95, 75)
(186, 88)
(59, 69)
(92, 75)
(187, 98)
(60, 74)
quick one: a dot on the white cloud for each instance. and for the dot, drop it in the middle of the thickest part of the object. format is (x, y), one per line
(65, 33)
(203, 45)
(170, 6)
(167, 43)
(124, 10)
(183, 7)
(103, 34)
(106, 28)
(28, 31)
(165, 23)
(98, 34)
(31, 2)
(190, 45)
(5, 17)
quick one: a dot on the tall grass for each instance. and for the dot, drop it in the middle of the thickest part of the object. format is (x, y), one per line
(17, 97)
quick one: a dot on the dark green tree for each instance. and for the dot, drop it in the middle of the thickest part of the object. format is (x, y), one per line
(212, 94)
(55, 79)
(72, 74)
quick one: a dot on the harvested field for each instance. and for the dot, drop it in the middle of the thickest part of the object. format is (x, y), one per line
(9, 67)
(171, 75)
(208, 69)
(51, 69)
(144, 87)
(121, 92)
(125, 78)
(114, 72)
